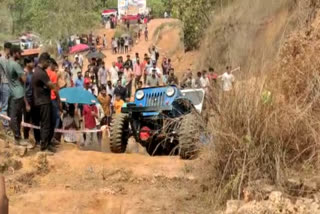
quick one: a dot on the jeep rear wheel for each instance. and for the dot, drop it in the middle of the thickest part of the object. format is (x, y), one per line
(119, 133)
(188, 137)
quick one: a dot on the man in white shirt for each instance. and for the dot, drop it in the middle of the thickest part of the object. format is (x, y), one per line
(154, 67)
(204, 80)
(102, 75)
(113, 74)
(80, 59)
(227, 79)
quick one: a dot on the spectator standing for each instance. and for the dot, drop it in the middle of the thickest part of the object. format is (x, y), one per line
(79, 81)
(17, 102)
(146, 34)
(118, 104)
(205, 83)
(172, 79)
(147, 65)
(137, 69)
(103, 75)
(114, 46)
(120, 90)
(119, 63)
(165, 70)
(105, 42)
(64, 78)
(105, 101)
(110, 89)
(213, 76)
(113, 74)
(53, 77)
(154, 67)
(153, 54)
(128, 76)
(67, 63)
(197, 82)
(42, 87)
(227, 80)
(126, 45)
(79, 59)
(153, 80)
(90, 113)
(31, 113)
(74, 72)
(70, 122)
(4, 84)
(134, 61)
(121, 48)
(128, 63)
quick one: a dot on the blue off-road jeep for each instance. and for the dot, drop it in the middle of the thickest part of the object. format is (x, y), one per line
(164, 120)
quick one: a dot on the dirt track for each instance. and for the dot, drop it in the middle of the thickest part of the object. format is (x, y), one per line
(74, 181)
(92, 182)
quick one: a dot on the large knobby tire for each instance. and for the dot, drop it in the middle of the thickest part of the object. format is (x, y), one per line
(188, 137)
(119, 133)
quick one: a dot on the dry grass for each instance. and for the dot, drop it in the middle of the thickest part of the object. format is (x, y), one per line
(267, 126)
(247, 33)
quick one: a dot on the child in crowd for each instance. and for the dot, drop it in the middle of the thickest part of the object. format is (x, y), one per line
(90, 113)
(70, 122)
(118, 103)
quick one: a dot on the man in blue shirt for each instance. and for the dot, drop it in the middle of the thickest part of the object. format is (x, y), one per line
(79, 81)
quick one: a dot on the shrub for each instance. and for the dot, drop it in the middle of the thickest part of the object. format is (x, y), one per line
(268, 126)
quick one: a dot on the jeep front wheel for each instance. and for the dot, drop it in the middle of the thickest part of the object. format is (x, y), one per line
(188, 137)
(119, 133)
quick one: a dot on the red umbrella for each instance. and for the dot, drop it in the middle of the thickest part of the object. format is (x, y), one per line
(79, 48)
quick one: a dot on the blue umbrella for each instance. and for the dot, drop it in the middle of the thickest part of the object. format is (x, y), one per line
(77, 95)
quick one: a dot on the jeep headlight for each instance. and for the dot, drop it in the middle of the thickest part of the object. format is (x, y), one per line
(140, 95)
(170, 91)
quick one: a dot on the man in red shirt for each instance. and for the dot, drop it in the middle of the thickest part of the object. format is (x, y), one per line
(212, 76)
(52, 73)
(90, 113)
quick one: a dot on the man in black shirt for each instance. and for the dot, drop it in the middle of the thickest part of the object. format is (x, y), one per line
(128, 63)
(121, 91)
(42, 86)
(30, 113)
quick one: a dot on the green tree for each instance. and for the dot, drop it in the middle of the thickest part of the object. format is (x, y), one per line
(195, 16)
(52, 20)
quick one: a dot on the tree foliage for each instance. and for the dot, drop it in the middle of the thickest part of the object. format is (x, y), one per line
(195, 16)
(52, 20)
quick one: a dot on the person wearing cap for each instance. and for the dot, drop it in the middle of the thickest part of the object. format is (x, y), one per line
(17, 102)
(42, 87)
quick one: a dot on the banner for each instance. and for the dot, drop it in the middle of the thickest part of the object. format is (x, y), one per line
(131, 7)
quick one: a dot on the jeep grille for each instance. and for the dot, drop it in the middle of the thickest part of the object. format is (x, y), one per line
(155, 99)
